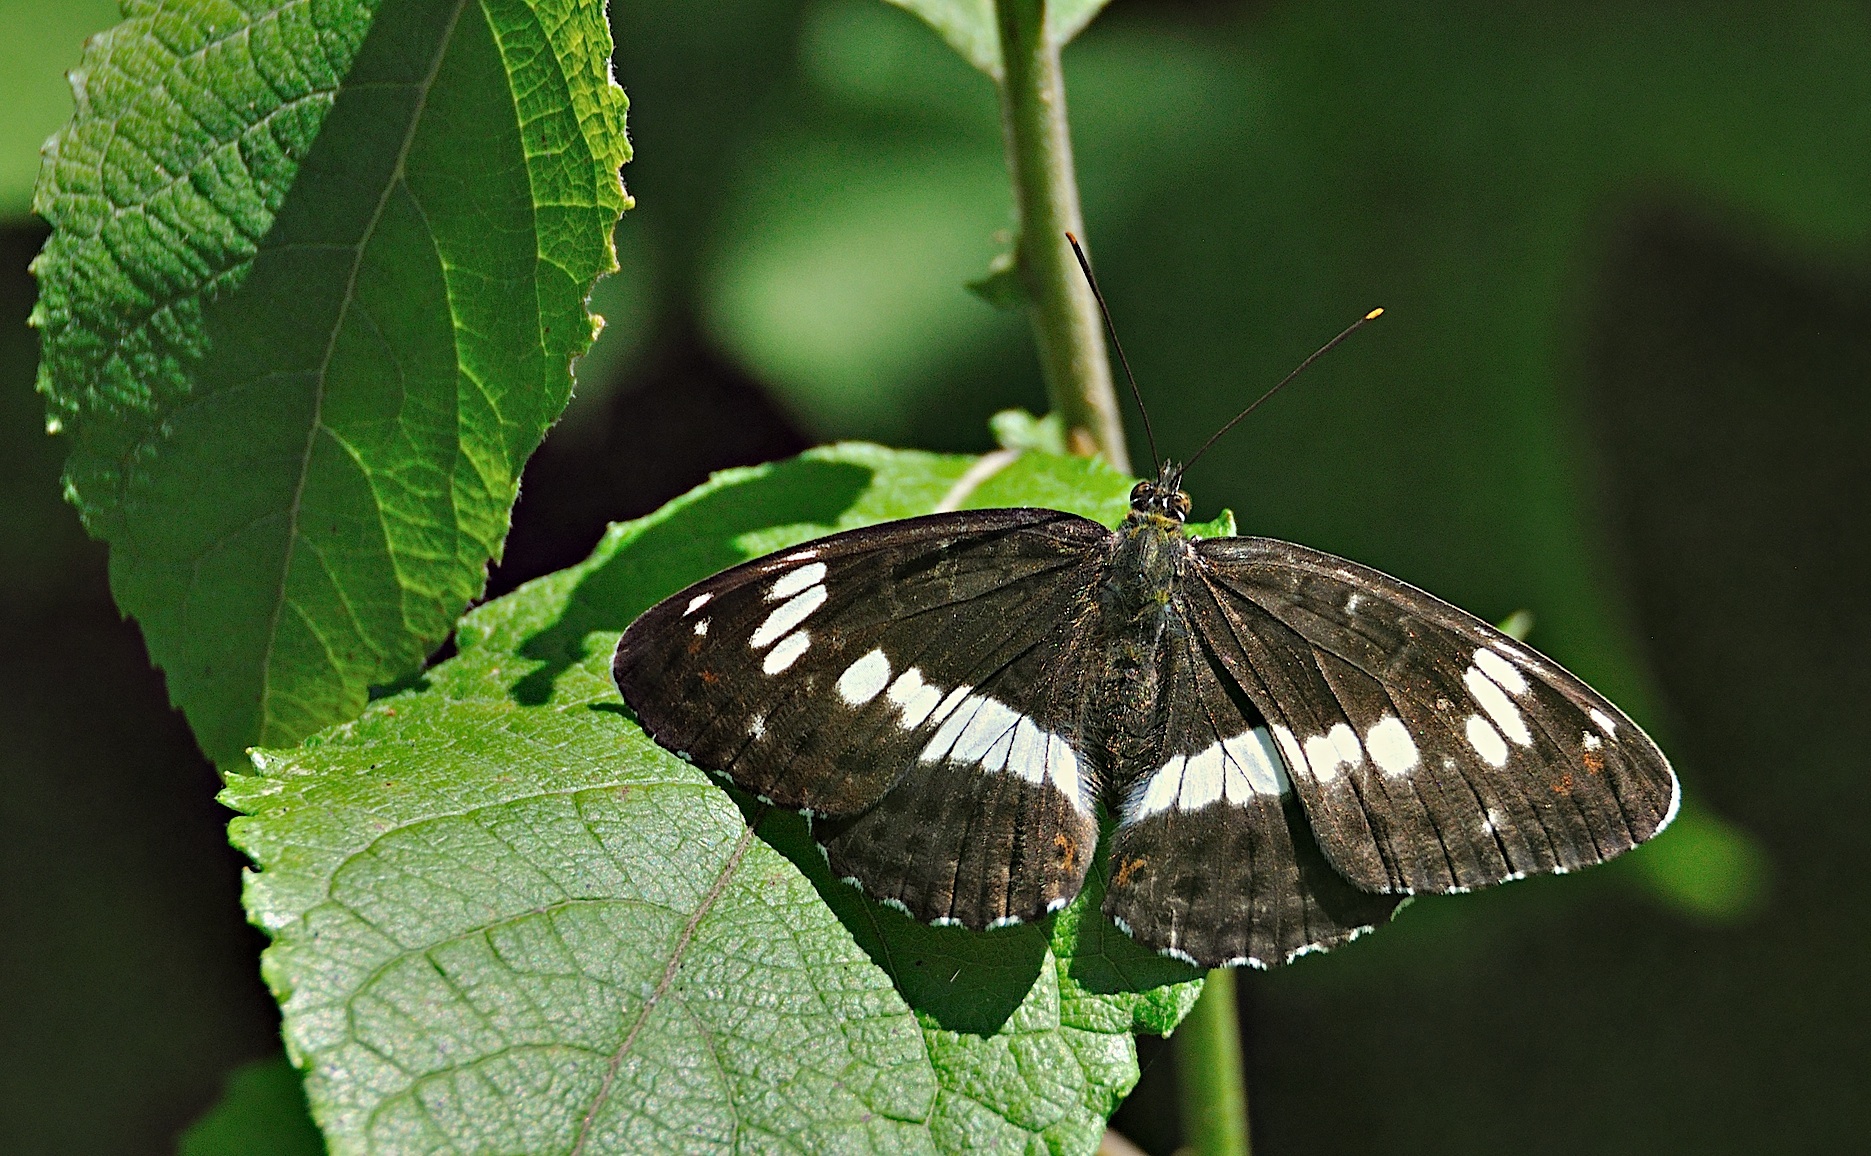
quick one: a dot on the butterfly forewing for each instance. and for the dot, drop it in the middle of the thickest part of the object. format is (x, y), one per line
(915, 680)
(1431, 752)
(1288, 741)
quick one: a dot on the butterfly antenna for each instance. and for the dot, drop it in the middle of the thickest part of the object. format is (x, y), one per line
(1156, 463)
(1316, 355)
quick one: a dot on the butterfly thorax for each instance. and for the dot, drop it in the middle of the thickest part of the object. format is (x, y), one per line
(1135, 603)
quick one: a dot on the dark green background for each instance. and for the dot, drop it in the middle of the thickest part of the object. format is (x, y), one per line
(1622, 384)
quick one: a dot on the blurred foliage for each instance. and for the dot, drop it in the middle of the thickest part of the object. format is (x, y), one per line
(261, 1113)
(127, 979)
(41, 41)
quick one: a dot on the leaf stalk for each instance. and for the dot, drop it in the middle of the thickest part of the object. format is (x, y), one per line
(1064, 314)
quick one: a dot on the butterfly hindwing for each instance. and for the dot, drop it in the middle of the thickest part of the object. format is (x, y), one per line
(994, 821)
(1212, 860)
(1431, 752)
(1288, 741)
(914, 685)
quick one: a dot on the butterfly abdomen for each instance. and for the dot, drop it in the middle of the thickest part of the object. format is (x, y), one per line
(1125, 727)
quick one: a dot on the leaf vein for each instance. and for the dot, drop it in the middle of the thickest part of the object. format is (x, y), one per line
(396, 179)
(669, 975)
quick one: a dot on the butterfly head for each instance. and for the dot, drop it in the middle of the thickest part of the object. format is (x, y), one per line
(1163, 497)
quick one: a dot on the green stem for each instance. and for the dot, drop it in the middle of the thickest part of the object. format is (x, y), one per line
(1070, 334)
(1208, 1072)
(1065, 316)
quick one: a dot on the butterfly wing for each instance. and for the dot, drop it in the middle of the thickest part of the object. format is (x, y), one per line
(915, 685)
(1212, 861)
(1430, 751)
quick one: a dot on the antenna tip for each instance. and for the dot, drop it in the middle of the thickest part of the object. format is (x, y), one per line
(1374, 314)
(1070, 237)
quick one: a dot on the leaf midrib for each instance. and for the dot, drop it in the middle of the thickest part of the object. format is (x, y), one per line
(662, 987)
(397, 177)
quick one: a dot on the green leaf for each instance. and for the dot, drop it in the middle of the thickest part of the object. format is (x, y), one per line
(503, 919)
(1000, 286)
(1016, 429)
(314, 287)
(969, 26)
(262, 1110)
(1222, 527)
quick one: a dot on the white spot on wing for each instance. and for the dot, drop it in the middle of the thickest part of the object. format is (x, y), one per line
(701, 628)
(1345, 741)
(1201, 780)
(1336, 748)
(959, 708)
(1500, 708)
(1604, 722)
(1495, 666)
(1254, 753)
(1290, 752)
(1062, 767)
(991, 723)
(914, 697)
(1676, 803)
(1590, 741)
(989, 734)
(1234, 783)
(1160, 794)
(696, 603)
(1487, 741)
(864, 679)
(1026, 755)
(1391, 746)
(758, 727)
(788, 615)
(786, 653)
(801, 556)
(947, 706)
(1321, 758)
(793, 581)
(997, 755)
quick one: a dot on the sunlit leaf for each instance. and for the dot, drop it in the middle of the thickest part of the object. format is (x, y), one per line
(315, 283)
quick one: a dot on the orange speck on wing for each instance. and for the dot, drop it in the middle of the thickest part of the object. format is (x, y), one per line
(1127, 870)
(1068, 850)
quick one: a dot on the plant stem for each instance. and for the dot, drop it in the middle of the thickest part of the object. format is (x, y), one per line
(1070, 334)
(1208, 1072)
(1065, 317)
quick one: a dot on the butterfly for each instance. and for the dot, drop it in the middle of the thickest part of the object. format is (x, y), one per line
(1289, 743)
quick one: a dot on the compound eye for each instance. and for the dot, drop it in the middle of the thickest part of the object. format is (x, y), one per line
(1140, 491)
(1182, 504)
